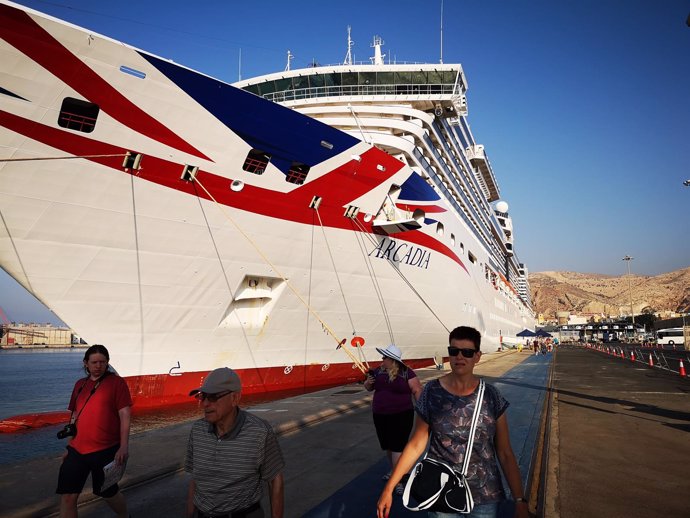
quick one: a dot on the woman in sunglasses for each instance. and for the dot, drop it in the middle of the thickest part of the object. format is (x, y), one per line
(394, 384)
(444, 412)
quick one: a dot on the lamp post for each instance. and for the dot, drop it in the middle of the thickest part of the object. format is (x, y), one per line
(627, 259)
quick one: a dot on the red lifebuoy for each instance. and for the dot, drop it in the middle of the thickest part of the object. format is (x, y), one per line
(357, 341)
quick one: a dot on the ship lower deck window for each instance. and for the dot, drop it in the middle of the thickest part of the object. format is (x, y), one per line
(78, 115)
(439, 229)
(473, 259)
(256, 162)
(297, 173)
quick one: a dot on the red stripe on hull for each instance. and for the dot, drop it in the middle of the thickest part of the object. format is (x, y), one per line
(23, 33)
(290, 206)
(20, 423)
(160, 391)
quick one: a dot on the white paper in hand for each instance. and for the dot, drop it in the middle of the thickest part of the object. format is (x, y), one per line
(112, 474)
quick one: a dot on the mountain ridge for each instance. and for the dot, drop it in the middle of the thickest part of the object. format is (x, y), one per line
(591, 294)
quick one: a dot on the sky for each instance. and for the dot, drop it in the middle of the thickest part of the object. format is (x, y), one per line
(583, 106)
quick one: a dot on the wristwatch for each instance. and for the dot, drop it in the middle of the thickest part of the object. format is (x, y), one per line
(521, 499)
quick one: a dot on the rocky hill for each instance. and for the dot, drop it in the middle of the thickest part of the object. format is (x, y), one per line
(591, 293)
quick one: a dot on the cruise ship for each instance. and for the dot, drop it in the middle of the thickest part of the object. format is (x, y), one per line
(285, 225)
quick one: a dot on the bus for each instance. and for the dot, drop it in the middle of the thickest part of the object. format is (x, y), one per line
(671, 336)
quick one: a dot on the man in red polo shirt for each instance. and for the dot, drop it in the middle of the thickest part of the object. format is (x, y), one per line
(100, 406)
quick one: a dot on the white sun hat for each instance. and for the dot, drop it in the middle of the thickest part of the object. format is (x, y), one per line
(392, 351)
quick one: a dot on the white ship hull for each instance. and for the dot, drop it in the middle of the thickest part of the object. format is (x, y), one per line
(175, 283)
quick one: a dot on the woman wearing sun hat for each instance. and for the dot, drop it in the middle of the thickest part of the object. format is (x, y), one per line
(394, 384)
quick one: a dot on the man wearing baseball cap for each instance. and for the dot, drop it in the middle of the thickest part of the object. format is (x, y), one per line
(230, 453)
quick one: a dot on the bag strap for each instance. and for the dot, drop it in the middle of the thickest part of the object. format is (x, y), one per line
(444, 476)
(432, 499)
(93, 391)
(473, 428)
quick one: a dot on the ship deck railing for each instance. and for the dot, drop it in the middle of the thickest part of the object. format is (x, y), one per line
(407, 90)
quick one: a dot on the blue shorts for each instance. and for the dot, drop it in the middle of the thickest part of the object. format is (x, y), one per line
(479, 511)
(76, 467)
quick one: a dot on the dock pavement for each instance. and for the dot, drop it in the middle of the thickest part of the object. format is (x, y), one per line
(619, 442)
(334, 466)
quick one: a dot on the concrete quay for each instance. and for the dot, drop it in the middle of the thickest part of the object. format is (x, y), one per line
(333, 463)
(618, 445)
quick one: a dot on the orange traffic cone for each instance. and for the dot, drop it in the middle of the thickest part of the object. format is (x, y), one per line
(682, 369)
(632, 356)
(651, 363)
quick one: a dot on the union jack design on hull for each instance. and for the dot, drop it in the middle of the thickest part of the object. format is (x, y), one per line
(188, 224)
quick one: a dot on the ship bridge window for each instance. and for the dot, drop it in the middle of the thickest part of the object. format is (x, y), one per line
(280, 85)
(297, 173)
(435, 77)
(300, 82)
(253, 89)
(349, 78)
(78, 115)
(367, 78)
(256, 162)
(419, 77)
(331, 79)
(403, 78)
(316, 81)
(385, 78)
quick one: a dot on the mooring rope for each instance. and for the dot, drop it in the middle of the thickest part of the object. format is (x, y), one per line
(374, 282)
(325, 326)
(60, 157)
(402, 275)
(335, 270)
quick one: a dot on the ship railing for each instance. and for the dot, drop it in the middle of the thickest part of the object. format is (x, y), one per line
(76, 121)
(368, 62)
(360, 90)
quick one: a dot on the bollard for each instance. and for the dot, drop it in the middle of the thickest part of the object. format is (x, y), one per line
(651, 363)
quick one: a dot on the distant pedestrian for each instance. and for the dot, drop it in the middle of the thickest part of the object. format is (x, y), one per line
(99, 434)
(444, 413)
(230, 454)
(394, 385)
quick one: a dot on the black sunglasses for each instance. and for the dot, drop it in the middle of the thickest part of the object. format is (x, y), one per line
(212, 398)
(467, 353)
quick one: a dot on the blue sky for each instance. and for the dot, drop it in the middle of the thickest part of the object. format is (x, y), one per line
(583, 105)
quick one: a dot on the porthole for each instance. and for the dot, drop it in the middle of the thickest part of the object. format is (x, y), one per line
(78, 115)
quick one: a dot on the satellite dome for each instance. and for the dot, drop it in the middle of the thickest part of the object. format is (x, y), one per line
(502, 206)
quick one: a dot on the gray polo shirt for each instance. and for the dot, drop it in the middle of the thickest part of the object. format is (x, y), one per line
(228, 471)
